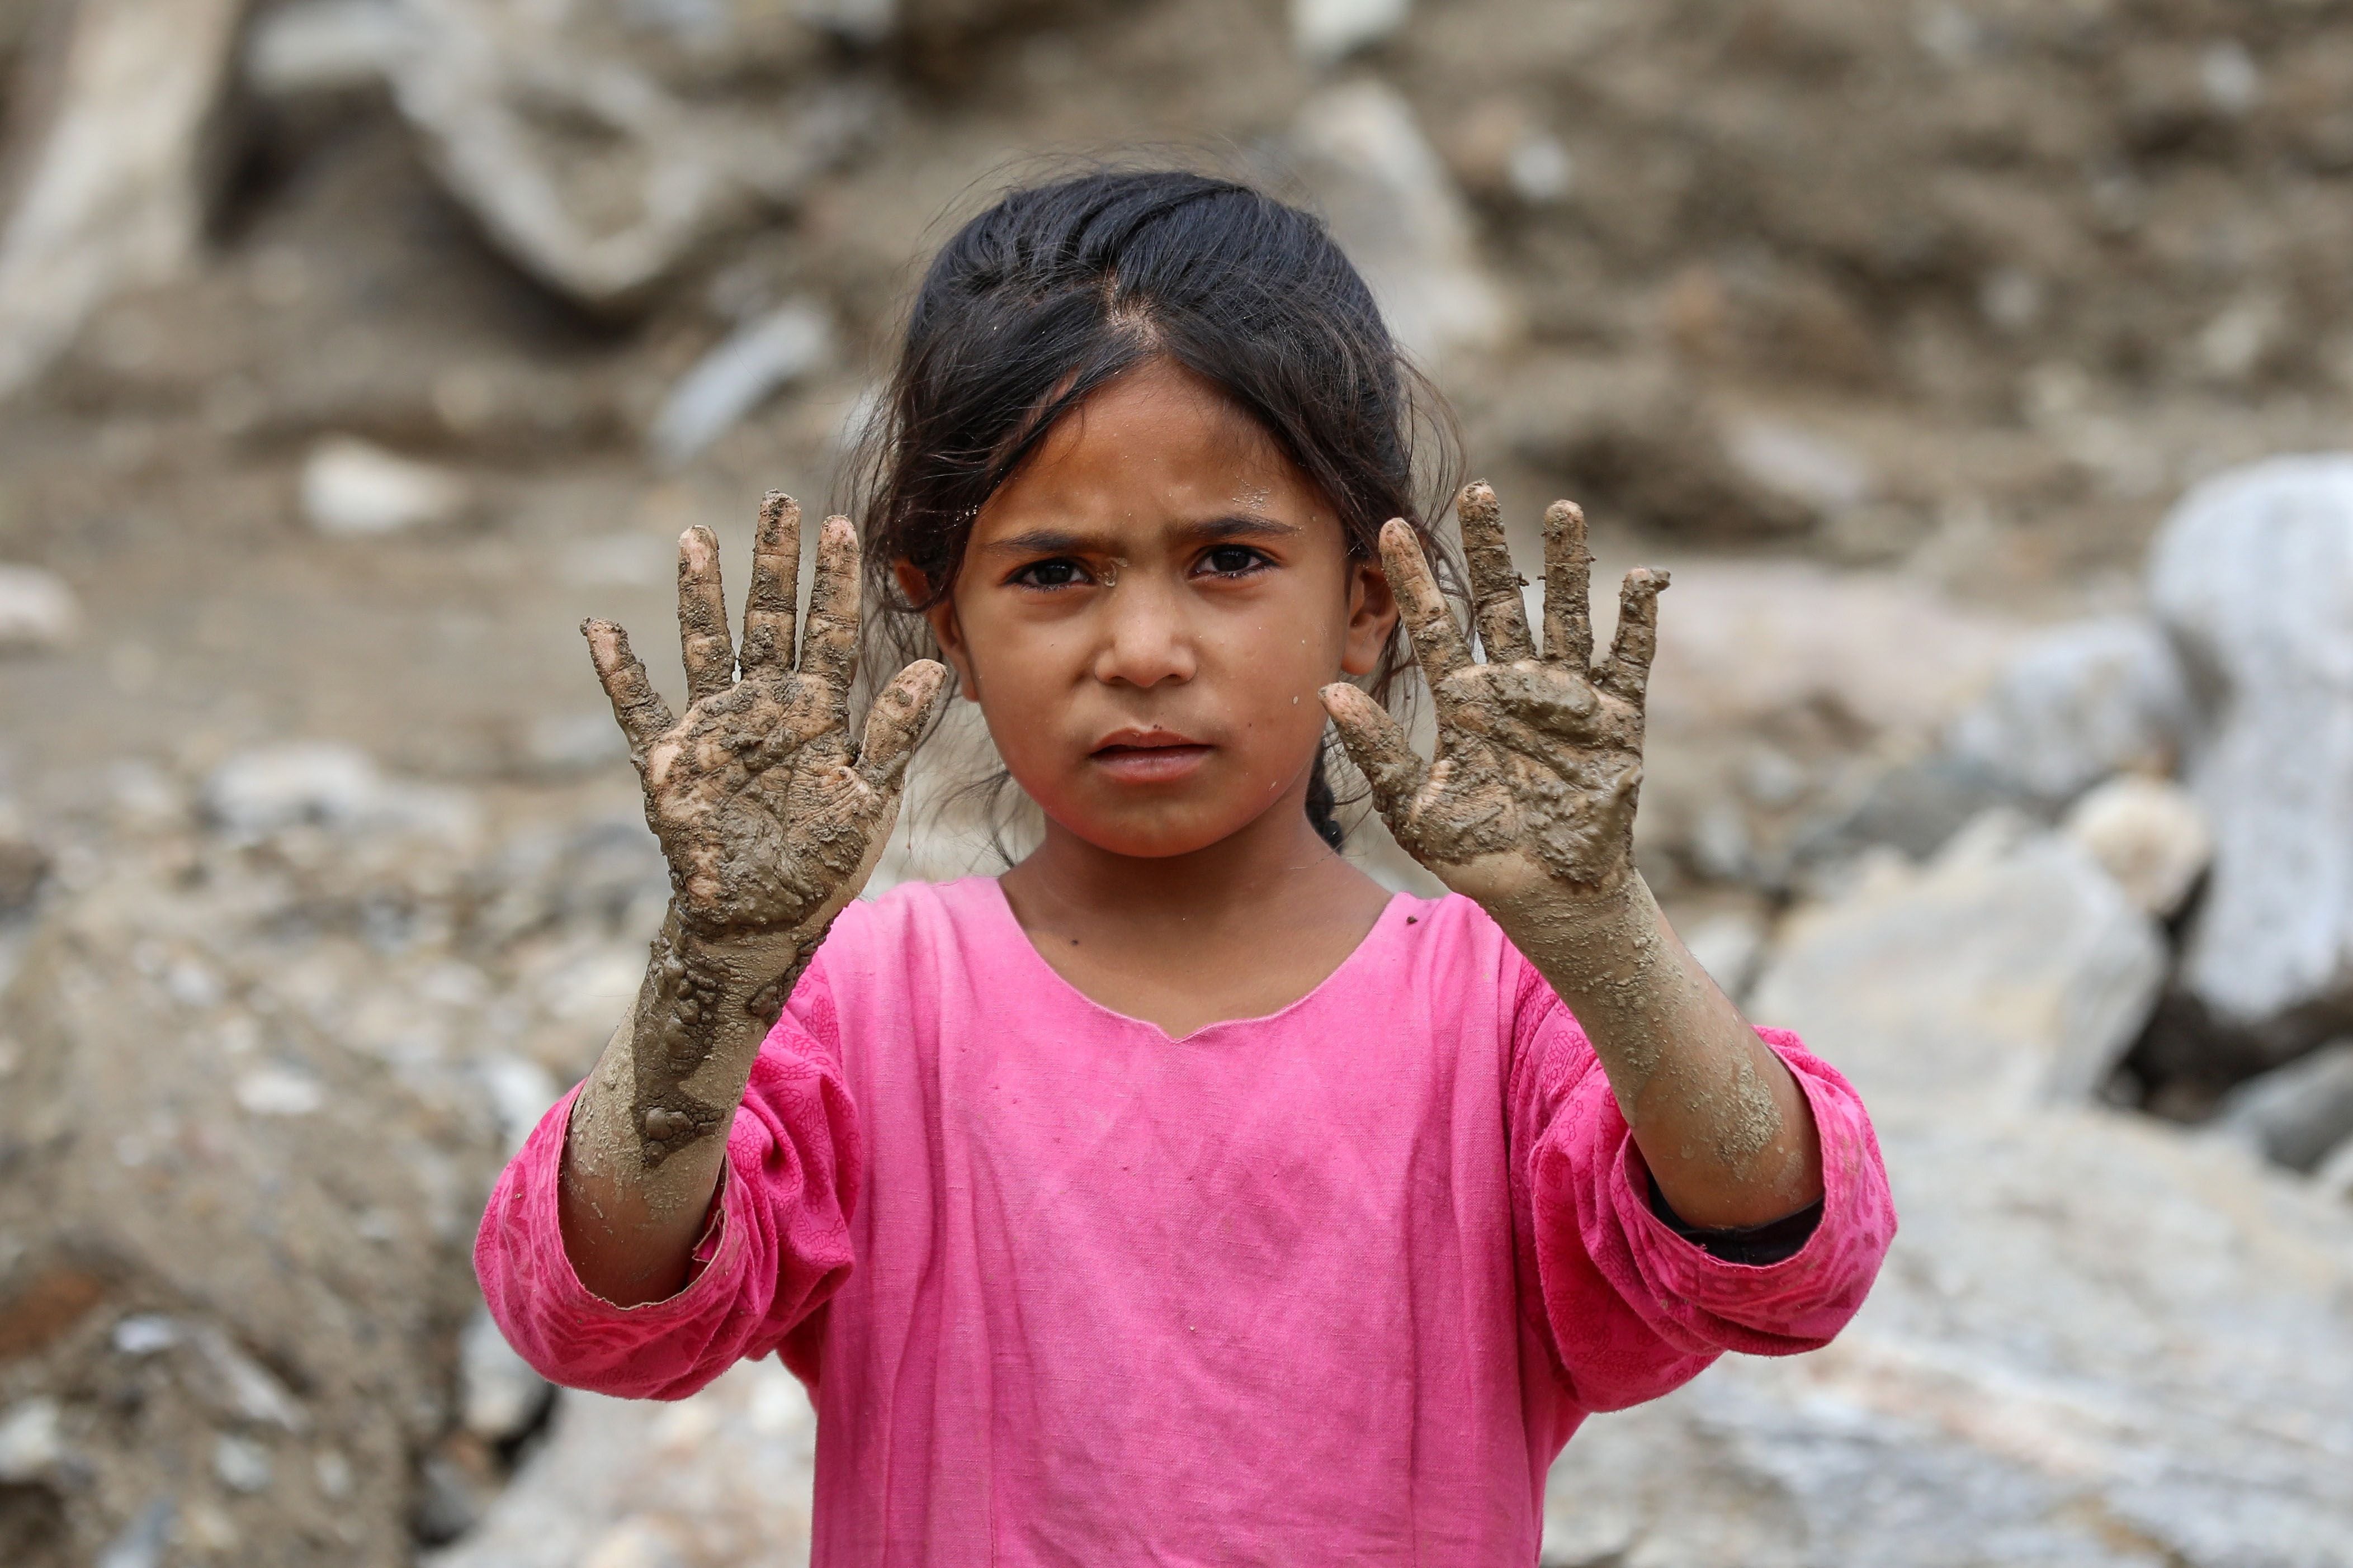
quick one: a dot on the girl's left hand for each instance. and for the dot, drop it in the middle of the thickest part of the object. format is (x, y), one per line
(1539, 758)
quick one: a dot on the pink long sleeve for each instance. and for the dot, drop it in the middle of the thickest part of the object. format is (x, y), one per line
(1629, 1308)
(790, 1185)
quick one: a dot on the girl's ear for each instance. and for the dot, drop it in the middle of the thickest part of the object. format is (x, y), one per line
(1372, 616)
(945, 629)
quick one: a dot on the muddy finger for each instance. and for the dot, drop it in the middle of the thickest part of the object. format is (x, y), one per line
(896, 724)
(1568, 570)
(1438, 645)
(1377, 745)
(1628, 670)
(638, 708)
(829, 651)
(772, 603)
(1496, 607)
(703, 638)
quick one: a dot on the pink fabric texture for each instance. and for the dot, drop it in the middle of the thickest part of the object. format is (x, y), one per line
(1330, 1286)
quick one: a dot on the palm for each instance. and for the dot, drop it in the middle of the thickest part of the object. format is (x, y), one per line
(1539, 758)
(768, 815)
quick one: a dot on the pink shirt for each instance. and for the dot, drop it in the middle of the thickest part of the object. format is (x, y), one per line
(1329, 1286)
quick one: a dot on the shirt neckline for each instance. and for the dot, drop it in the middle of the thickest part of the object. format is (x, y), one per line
(1001, 908)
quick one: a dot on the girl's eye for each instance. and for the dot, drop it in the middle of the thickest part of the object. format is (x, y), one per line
(1233, 560)
(1050, 574)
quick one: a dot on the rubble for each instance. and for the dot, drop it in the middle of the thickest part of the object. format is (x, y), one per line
(108, 198)
(2009, 971)
(2294, 1115)
(2253, 572)
(37, 611)
(2076, 705)
(2148, 834)
(1394, 208)
(354, 490)
(756, 360)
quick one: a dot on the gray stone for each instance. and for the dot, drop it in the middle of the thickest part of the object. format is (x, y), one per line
(1328, 30)
(354, 490)
(1394, 209)
(2012, 968)
(738, 375)
(37, 611)
(328, 784)
(241, 1464)
(498, 1395)
(2294, 1115)
(106, 190)
(29, 1443)
(2253, 574)
(695, 1484)
(2148, 834)
(2076, 705)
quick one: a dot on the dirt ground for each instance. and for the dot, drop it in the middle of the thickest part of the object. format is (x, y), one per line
(1957, 296)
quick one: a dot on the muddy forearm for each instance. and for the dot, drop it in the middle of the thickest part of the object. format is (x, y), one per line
(649, 1131)
(1722, 1123)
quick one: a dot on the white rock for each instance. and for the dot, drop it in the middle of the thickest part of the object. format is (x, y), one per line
(1727, 946)
(107, 189)
(2294, 1115)
(2148, 834)
(2078, 704)
(2010, 970)
(1824, 474)
(738, 375)
(29, 1443)
(732, 1463)
(240, 1464)
(498, 1395)
(146, 1333)
(581, 164)
(333, 786)
(1396, 211)
(37, 609)
(2253, 574)
(1328, 30)
(280, 1091)
(2335, 1177)
(351, 490)
(327, 45)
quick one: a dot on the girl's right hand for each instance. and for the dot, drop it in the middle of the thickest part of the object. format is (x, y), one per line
(769, 820)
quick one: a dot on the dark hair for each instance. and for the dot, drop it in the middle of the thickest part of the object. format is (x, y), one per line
(1057, 288)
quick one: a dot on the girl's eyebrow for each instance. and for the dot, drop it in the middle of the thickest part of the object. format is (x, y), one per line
(1064, 542)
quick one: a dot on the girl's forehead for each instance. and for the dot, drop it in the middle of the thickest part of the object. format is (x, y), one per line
(1158, 441)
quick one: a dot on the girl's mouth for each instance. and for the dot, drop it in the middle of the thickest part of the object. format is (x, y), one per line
(1149, 756)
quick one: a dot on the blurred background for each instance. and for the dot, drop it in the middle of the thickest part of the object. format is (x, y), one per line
(1975, 365)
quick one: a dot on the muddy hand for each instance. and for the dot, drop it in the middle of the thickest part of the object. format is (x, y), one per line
(1539, 757)
(768, 815)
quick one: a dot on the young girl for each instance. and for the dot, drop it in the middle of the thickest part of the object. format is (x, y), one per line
(1179, 1197)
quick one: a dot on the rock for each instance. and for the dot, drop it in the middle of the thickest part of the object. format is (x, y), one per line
(2058, 1350)
(37, 611)
(29, 1443)
(738, 375)
(106, 196)
(2334, 1180)
(2148, 834)
(1328, 30)
(142, 1541)
(2253, 573)
(1396, 211)
(241, 1465)
(1636, 442)
(353, 489)
(581, 165)
(331, 786)
(2078, 704)
(2009, 971)
(1823, 475)
(500, 1397)
(2294, 1115)
(721, 1478)
(326, 46)
(1727, 945)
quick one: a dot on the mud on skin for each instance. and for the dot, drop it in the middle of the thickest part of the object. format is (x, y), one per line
(769, 819)
(1528, 808)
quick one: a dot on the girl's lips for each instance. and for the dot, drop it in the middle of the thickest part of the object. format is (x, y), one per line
(1149, 759)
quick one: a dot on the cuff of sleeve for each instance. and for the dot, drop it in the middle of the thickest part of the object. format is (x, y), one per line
(717, 1257)
(1754, 1245)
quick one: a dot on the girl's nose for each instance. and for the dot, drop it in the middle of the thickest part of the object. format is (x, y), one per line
(1145, 640)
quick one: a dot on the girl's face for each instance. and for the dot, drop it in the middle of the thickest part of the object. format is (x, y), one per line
(1145, 614)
